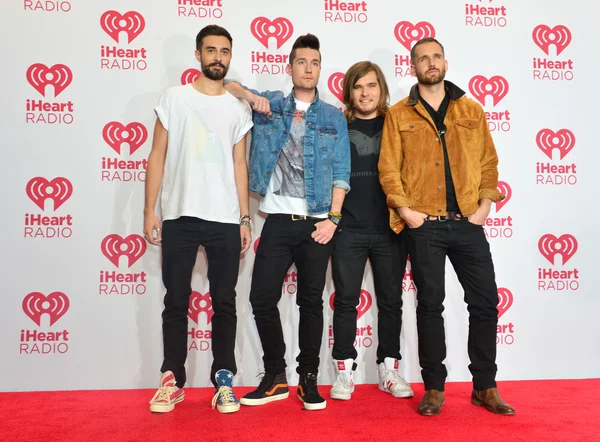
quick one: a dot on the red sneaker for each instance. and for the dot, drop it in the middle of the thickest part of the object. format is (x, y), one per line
(167, 395)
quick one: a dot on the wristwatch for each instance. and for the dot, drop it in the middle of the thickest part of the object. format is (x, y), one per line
(334, 217)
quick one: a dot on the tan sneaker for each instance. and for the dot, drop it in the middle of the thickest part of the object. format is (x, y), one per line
(167, 395)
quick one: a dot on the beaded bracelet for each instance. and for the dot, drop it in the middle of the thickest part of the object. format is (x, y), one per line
(245, 223)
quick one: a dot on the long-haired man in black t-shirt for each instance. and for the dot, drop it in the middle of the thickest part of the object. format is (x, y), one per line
(365, 234)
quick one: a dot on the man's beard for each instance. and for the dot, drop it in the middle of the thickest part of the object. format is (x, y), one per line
(215, 75)
(423, 78)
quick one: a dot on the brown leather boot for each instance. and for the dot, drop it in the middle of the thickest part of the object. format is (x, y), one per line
(491, 400)
(431, 403)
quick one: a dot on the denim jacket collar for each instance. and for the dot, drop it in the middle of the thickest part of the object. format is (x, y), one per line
(290, 100)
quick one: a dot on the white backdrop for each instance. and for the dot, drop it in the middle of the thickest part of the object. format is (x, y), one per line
(83, 292)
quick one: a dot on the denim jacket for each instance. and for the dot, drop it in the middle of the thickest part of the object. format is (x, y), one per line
(326, 148)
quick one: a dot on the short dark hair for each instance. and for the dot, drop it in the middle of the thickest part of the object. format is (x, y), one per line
(309, 41)
(212, 30)
(413, 51)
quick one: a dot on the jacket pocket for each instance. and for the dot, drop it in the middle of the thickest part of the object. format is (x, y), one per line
(468, 123)
(327, 138)
(412, 126)
(468, 134)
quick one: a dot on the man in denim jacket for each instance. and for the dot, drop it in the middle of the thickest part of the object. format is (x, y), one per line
(300, 166)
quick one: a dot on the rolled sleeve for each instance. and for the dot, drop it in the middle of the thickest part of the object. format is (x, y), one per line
(162, 109)
(245, 125)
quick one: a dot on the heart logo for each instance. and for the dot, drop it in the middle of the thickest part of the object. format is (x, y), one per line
(39, 76)
(336, 85)
(366, 300)
(39, 189)
(113, 23)
(407, 33)
(548, 140)
(114, 246)
(495, 86)
(115, 133)
(190, 75)
(544, 36)
(262, 28)
(200, 303)
(505, 300)
(565, 246)
(54, 305)
(504, 189)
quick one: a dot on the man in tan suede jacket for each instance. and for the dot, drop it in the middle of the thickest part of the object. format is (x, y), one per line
(439, 170)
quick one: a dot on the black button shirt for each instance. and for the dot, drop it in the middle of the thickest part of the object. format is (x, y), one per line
(438, 118)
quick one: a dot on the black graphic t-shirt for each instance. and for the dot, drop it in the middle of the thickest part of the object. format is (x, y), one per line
(365, 208)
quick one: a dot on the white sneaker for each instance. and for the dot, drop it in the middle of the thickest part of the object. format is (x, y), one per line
(344, 380)
(390, 380)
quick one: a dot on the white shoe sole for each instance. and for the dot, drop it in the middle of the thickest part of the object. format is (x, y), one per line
(400, 394)
(265, 400)
(313, 407)
(228, 408)
(340, 396)
(165, 408)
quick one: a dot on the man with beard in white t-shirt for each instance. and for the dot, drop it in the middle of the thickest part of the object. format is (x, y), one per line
(199, 156)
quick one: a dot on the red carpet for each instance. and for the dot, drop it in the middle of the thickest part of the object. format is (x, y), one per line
(546, 411)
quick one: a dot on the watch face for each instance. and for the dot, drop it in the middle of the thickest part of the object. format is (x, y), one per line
(334, 219)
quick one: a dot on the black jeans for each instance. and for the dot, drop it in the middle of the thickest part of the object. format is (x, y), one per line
(283, 242)
(387, 253)
(469, 252)
(181, 239)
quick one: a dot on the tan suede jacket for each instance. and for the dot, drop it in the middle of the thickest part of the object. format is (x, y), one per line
(411, 162)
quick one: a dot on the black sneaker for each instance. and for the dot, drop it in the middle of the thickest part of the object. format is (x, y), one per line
(272, 387)
(309, 393)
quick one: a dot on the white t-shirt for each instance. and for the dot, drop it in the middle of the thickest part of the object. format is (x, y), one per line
(198, 177)
(287, 192)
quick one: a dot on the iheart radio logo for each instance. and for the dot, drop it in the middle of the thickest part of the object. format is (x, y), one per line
(39, 76)
(262, 28)
(200, 303)
(114, 246)
(189, 76)
(495, 86)
(548, 140)
(565, 246)
(113, 23)
(366, 300)
(407, 33)
(115, 133)
(505, 189)
(36, 304)
(559, 36)
(505, 300)
(336, 85)
(39, 189)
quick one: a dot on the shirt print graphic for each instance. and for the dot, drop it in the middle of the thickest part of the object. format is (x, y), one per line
(291, 160)
(206, 146)
(365, 145)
